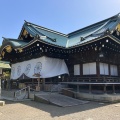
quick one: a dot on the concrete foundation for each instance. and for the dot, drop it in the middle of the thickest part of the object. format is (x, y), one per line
(99, 97)
(91, 96)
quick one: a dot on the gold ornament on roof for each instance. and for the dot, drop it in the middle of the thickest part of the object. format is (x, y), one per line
(3, 53)
(25, 32)
(118, 27)
(0, 57)
(8, 48)
(20, 50)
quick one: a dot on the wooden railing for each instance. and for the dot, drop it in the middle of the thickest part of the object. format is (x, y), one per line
(94, 79)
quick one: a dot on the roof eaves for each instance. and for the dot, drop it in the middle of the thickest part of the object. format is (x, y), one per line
(40, 40)
(114, 38)
(93, 40)
(95, 24)
(8, 41)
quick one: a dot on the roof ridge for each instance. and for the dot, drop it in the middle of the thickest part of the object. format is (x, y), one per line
(47, 29)
(97, 23)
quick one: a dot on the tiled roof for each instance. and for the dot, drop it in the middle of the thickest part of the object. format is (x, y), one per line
(78, 37)
(92, 32)
(15, 43)
(74, 38)
(52, 37)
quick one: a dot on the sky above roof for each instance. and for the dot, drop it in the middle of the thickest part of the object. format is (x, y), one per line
(61, 15)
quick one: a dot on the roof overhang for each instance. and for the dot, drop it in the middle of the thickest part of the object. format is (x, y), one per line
(97, 39)
(8, 45)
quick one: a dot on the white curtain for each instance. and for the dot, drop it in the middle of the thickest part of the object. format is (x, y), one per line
(45, 66)
(89, 68)
(77, 69)
(104, 69)
(86, 70)
(113, 70)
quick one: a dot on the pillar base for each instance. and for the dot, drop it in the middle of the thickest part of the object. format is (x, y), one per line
(37, 88)
(2, 103)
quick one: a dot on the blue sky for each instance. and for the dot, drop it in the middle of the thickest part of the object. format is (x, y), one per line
(61, 15)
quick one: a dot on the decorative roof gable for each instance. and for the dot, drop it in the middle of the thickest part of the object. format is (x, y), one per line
(74, 38)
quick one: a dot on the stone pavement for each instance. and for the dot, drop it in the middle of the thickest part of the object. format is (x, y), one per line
(52, 98)
(60, 100)
(8, 93)
(31, 110)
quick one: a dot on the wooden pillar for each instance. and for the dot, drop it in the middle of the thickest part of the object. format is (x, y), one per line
(38, 82)
(81, 69)
(0, 88)
(109, 70)
(90, 88)
(32, 82)
(28, 92)
(98, 69)
(77, 88)
(113, 89)
(9, 86)
(105, 91)
(38, 86)
(43, 83)
(118, 67)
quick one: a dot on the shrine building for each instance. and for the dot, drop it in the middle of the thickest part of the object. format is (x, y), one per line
(85, 59)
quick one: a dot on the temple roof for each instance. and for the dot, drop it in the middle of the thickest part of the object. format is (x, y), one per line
(52, 37)
(94, 31)
(73, 39)
(15, 42)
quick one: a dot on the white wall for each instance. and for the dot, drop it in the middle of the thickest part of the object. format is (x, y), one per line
(89, 68)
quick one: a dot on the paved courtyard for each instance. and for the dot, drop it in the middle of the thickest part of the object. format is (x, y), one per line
(30, 110)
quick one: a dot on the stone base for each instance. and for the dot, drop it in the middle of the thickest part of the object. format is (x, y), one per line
(2, 103)
(90, 96)
(98, 97)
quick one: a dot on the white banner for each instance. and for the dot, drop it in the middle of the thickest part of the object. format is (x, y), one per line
(45, 66)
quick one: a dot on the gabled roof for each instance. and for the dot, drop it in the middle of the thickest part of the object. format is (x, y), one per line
(93, 31)
(15, 43)
(77, 38)
(52, 37)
